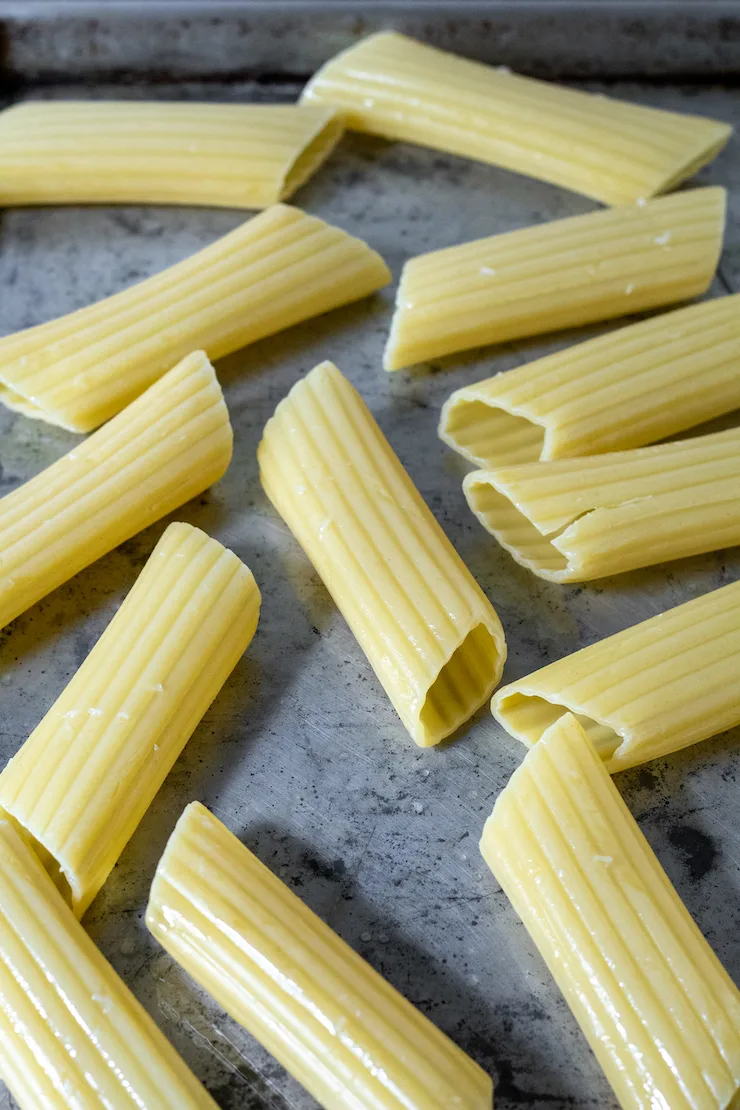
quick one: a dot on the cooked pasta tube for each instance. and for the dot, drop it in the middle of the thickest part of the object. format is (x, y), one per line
(557, 275)
(326, 1015)
(163, 449)
(645, 692)
(576, 519)
(658, 1009)
(228, 155)
(616, 152)
(633, 386)
(428, 630)
(72, 1036)
(273, 271)
(85, 777)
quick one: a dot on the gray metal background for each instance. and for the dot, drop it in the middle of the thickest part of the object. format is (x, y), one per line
(301, 754)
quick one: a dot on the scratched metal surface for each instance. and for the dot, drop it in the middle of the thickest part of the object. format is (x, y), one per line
(301, 755)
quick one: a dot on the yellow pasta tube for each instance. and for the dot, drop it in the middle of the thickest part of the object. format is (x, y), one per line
(72, 1036)
(428, 630)
(647, 691)
(85, 777)
(633, 386)
(164, 448)
(616, 152)
(557, 275)
(577, 519)
(326, 1015)
(228, 155)
(658, 1009)
(275, 270)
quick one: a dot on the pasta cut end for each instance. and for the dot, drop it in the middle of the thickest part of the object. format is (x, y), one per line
(490, 435)
(63, 879)
(706, 152)
(17, 402)
(527, 716)
(462, 686)
(328, 133)
(515, 531)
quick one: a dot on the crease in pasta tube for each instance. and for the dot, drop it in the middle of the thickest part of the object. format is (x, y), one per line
(111, 151)
(167, 446)
(572, 521)
(656, 1006)
(426, 627)
(277, 269)
(616, 152)
(71, 1032)
(632, 386)
(332, 1021)
(83, 780)
(558, 275)
(643, 693)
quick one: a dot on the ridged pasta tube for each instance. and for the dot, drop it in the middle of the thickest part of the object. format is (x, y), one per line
(164, 448)
(576, 519)
(72, 1036)
(650, 690)
(275, 270)
(83, 780)
(616, 152)
(556, 275)
(275, 967)
(428, 630)
(128, 152)
(632, 386)
(658, 1009)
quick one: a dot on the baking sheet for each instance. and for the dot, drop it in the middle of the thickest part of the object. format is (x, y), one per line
(301, 754)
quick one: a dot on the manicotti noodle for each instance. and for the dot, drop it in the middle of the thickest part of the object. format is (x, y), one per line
(556, 275)
(325, 1014)
(650, 690)
(72, 1036)
(629, 387)
(657, 1007)
(616, 152)
(429, 632)
(82, 781)
(275, 270)
(576, 519)
(128, 152)
(164, 448)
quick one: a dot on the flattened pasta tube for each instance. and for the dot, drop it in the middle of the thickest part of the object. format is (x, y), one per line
(85, 777)
(428, 630)
(273, 271)
(557, 275)
(72, 1036)
(164, 448)
(616, 152)
(228, 155)
(577, 519)
(648, 691)
(326, 1015)
(633, 386)
(658, 1009)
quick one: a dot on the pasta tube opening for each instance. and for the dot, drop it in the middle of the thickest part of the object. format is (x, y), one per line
(461, 686)
(488, 434)
(513, 529)
(528, 716)
(314, 154)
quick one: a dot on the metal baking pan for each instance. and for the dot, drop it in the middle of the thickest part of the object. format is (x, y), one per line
(301, 754)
